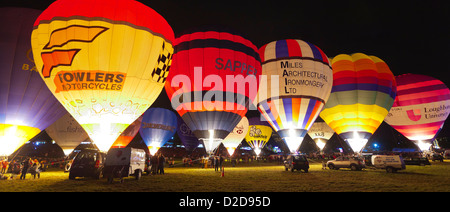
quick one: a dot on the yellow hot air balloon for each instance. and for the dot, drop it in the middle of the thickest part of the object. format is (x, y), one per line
(259, 133)
(105, 61)
(364, 90)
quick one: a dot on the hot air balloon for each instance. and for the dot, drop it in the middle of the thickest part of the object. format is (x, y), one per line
(158, 126)
(26, 104)
(105, 61)
(299, 81)
(363, 91)
(420, 109)
(232, 141)
(67, 133)
(128, 134)
(213, 79)
(320, 132)
(258, 134)
(188, 139)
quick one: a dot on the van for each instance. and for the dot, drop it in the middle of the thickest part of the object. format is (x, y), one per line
(123, 162)
(392, 163)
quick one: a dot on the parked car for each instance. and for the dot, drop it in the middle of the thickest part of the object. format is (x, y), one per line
(437, 157)
(296, 162)
(417, 161)
(392, 163)
(123, 162)
(354, 163)
(87, 163)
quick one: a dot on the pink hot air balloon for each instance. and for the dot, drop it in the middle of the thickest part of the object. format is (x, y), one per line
(421, 107)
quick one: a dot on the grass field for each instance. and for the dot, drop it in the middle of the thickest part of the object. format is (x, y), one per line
(254, 177)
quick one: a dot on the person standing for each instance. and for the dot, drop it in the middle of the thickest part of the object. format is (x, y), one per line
(4, 166)
(221, 162)
(154, 161)
(26, 165)
(161, 161)
(216, 163)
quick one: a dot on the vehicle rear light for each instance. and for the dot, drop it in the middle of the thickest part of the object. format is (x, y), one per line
(97, 164)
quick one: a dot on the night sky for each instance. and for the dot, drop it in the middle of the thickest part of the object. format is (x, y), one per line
(410, 36)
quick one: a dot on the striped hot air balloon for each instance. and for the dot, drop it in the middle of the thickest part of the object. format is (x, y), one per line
(363, 91)
(421, 107)
(298, 83)
(213, 78)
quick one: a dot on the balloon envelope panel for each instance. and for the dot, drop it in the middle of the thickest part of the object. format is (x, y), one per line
(220, 71)
(420, 108)
(188, 138)
(232, 141)
(26, 104)
(363, 91)
(67, 133)
(258, 134)
(299, 81)
(105, 61)
(157, 127)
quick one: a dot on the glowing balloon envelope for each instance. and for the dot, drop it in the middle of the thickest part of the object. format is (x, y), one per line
(212, 81)
(421, 107)
(26, 105)
(232, 141)
(128, 134)
(258, 134)
(158, 126)
(188, 139)
(363, 91)
(67, 133)
(320, 132)
(105, 61)
(299, 81)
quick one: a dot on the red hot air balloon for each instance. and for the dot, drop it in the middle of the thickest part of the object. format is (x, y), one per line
(213, 79)
(421, 107)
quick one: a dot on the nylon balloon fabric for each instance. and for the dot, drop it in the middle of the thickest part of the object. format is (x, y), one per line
(157, 127)
(363, 92)
(298, 84)
(106, 61)
(259, 133)
(26, 104)
(213, 78)
(420, 108)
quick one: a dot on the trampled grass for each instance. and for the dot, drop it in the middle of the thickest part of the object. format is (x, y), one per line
(255, 177)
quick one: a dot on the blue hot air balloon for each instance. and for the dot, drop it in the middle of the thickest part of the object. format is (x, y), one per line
(187, 137)
(26, 104)
(157, 127)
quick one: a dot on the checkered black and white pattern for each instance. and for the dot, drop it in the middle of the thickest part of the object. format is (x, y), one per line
(161, 70)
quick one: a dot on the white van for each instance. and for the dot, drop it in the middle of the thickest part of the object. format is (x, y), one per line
(123, 162)
(392, 163)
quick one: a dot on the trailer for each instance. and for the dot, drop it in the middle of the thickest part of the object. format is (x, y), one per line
(392, 163)
(124, 162)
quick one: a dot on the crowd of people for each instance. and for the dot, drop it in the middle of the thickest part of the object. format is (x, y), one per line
(21, 167)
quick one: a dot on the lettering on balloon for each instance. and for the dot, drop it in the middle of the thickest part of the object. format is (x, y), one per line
(158, 126)
(235, 65)
(295, 77)
(256, 133)
(89, 80)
